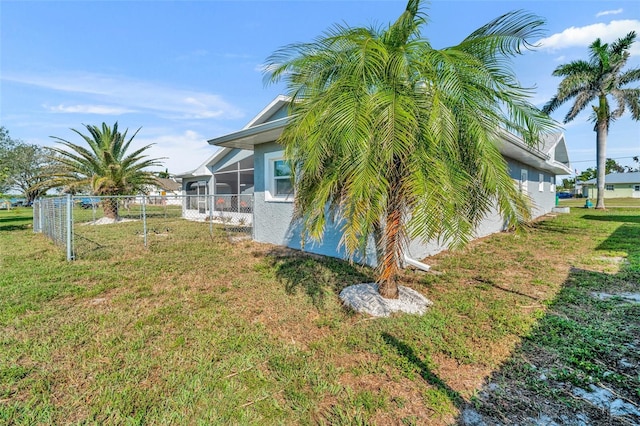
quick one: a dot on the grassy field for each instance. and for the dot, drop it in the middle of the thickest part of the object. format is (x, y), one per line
(608, 202)
(198, 330)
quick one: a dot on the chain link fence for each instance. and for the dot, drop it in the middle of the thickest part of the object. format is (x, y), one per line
(85, 226)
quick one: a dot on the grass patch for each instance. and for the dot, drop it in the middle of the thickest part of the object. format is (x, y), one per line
(195, 329)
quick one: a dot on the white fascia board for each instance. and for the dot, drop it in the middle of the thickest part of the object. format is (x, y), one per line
(268, 111)
(203, 169)
(250, 137)
(514, 147)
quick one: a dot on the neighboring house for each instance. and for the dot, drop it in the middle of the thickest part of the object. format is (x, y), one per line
(165, 191)
(616, 185)
(533, 170)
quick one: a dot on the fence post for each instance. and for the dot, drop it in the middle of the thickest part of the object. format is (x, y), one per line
(69, 227)
(40, 218)
(37, 224)
(144, 219)
(210, 196)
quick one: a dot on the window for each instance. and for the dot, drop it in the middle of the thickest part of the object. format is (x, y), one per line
(524, 177)
(540, 182)
(636, 187)
(278, 185)
(608, 187)
(552, 183)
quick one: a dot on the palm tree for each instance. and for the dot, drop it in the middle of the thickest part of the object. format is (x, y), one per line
(392, 140)
(599, 79)
(105, 166)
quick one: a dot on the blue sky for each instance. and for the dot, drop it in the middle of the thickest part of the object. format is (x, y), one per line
(188, 71)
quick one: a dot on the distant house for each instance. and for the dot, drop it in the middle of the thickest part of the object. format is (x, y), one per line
(251, 162)
(164, 191)
(616, 185)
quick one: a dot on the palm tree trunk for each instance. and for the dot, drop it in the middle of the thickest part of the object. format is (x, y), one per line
(601, 158)
(389, 264)
(110, 208)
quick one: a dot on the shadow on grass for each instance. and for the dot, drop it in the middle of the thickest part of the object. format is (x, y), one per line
(588, 340)
(12, 223)
(316, 275)
(8, 228)
(409, 354)
(613, 218)
(491, 283)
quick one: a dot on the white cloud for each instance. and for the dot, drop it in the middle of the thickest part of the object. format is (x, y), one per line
(88, 109)
(584, 36)
(608, 12)
(183, 151)
(134, 95)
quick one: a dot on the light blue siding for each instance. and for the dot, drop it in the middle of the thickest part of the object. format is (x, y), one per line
(273, 219)
(542, 202)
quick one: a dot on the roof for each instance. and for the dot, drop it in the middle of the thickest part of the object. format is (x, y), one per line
(265, 127)
(613, 178)
(202, 170)
(550, 155)
(168, 184)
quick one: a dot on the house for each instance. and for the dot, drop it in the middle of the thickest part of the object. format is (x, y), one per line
(164, 191)
(254, 150)
(616, 185)
(221, 187)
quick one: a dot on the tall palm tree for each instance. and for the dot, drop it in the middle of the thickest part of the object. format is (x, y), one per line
(599, 79)
(393, 140)
(105, 166)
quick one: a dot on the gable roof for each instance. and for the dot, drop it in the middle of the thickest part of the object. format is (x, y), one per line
(613, 178)
(168, 184)
(202, 169)
(275, 110)
(550, 155)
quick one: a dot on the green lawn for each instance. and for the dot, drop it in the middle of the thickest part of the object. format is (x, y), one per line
(608, 202)
(197, 330)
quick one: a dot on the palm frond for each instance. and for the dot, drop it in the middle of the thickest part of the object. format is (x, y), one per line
(106, 165)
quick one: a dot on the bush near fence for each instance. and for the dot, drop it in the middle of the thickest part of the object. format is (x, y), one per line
(78, 224)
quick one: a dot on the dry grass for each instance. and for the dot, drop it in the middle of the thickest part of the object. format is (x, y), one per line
(199, 330)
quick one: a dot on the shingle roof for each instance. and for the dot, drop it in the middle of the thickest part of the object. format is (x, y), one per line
(613, 178)
(168, 184)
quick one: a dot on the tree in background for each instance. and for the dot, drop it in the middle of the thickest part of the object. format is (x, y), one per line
(612, 166)
(568, 184)
(22, 166)
(587, 174)
(392, 139)
(164, 175)
(599, 79)
(105, 166)
(631, 169)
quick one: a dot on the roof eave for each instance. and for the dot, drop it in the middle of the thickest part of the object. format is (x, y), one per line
(515, 148)
(250, 137)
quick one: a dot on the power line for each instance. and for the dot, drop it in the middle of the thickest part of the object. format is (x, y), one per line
(592, 161)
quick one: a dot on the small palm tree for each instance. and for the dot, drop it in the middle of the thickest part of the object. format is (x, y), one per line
(393, 140)
(105, 166)
(599, 79)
